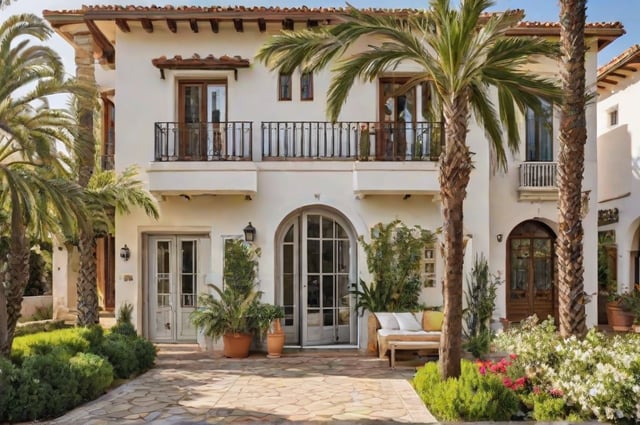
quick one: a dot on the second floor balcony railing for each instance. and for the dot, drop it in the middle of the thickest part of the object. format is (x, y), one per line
(376, 141)
(207, 141)
(538, 175)
(303, 140)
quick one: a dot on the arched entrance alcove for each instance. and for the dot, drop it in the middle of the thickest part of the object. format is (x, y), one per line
(315, 266)
(531, 271)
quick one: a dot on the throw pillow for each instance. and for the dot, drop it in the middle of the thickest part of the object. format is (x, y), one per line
(387, 321)
(407, 321)
(432, 320)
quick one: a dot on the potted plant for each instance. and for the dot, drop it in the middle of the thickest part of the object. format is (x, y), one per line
(233, 312)
(393, 259)
(269, 322)
(618, 315)
(631, 303)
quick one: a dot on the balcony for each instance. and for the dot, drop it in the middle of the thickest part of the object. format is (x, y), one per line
(204, 158)
(207, 141)
(365, 141)
(538, 181)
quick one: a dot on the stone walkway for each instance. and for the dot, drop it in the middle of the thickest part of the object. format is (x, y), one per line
(190, 387)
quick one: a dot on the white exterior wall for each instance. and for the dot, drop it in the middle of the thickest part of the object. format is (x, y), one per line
(143, 98)
(619, 172)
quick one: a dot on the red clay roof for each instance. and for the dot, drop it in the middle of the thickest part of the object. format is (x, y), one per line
(194, 62)
(632, 53)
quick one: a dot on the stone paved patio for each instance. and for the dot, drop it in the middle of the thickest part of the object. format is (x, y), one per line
(190, 387)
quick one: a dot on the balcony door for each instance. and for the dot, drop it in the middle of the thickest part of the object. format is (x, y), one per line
(531, 285)
(203, 110)
(316, 267)
(177, 265)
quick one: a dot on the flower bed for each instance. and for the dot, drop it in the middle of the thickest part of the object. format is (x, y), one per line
(597, 377)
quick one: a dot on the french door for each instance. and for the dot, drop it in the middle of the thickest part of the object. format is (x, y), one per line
(202, 117)
(317, 266)
(177, 266)
(531, 260)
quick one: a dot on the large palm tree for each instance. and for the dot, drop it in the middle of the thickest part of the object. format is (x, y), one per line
(32, 176)
(573, 136)
(106, 194)
(471, 64)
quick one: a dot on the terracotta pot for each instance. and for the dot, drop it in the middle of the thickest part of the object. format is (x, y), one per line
(372, 332)
(619, 319)
(275, 340)
(236, 346)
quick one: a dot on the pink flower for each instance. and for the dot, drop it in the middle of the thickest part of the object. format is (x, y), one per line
(513, 356)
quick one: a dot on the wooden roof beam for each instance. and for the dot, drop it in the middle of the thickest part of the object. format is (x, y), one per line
(108, 52)
(629, 68)
(214, 25)
(237, 24)
(123, 25)
(171, 24)
(312, 23)
(147, 25)
(607, 81)
(615, 74)
(262, 25)
(287, 24)
(193, 23)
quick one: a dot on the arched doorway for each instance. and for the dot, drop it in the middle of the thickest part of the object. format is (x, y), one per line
(315, 267)
(531, 261)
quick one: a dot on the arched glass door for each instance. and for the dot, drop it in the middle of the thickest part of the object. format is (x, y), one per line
(316, 269)
(531, 278)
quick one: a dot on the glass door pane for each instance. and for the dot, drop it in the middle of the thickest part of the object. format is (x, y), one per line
(160, 291)
(217, 117)
(192, 132)
(188, 277)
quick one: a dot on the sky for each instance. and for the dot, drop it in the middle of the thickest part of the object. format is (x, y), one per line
(625, 11)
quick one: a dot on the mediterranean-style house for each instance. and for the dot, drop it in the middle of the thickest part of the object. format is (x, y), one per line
(227, 145)
(619, 165)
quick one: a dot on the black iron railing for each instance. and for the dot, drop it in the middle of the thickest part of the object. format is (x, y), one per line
(375, 141)
(210, 141)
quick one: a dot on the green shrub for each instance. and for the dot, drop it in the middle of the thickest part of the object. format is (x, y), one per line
(7, 376)
(472, 397)
(57, 387)
(124, 328)
(93, 374)
(72, 340)
(94, 335)
(545, 407)
(145, 352)
(118, 350)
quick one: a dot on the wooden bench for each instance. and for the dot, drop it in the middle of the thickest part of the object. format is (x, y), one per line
(408, 345)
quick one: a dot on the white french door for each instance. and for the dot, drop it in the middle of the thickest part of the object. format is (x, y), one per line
(317, 266)
(177, 266)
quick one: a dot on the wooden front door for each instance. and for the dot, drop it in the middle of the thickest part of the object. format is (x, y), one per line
(531, 287)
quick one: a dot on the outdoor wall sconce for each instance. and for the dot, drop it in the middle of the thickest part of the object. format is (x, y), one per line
(125, 253)
(499, 237)
(249, 233)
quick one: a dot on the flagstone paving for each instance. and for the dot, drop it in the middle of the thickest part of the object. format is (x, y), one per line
(192, 387)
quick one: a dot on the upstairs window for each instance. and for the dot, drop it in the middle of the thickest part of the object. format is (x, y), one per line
(539, 133)
(284, 87)
(613, 117)
(306, 86)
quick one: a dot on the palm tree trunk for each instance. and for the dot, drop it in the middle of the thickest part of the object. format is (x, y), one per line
(18, 273)
(87, 289)
(573, 136)
(455, 171)
(4, 328)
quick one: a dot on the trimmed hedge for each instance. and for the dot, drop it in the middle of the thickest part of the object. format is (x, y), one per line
(55, 371)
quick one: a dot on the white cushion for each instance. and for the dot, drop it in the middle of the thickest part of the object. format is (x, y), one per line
(387, 321)
(407, 321)
(390, 332)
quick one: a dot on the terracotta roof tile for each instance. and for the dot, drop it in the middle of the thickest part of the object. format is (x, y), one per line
(632, 53)
(198, 62)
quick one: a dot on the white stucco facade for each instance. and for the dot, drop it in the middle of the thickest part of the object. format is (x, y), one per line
(619, 161)
(214, 200)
